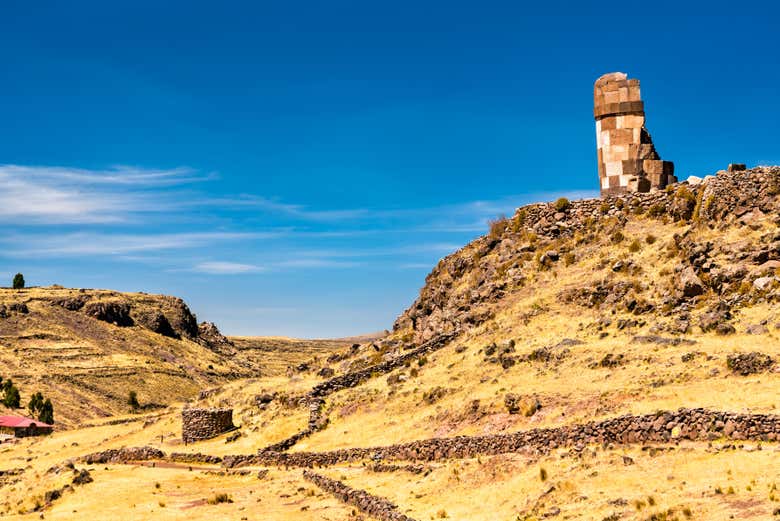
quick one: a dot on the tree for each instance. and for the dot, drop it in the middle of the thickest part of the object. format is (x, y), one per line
(11, 398)
(18, 281)
(35, 404)
(47, 412)
(132, 400)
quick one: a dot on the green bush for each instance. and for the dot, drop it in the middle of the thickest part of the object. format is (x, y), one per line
(35, 403)
(18, 282)
(47, 412)
(11, 397)
(562, 204)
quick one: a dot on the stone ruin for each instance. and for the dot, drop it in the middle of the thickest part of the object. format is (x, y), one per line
(628, 161)
(203, 424)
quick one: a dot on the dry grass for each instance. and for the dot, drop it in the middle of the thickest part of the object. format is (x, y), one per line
(679, 482)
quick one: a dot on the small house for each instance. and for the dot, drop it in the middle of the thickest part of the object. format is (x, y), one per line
(21, 427)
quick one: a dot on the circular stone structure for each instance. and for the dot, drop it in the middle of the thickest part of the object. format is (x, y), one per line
(201, 424)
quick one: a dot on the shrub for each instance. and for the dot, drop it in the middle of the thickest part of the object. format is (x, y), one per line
(569, 258)
(604, 207)
(219, 498)
(543, 474)
(650, 239)
(635, 246)
(562, 204)
(47, 412)
(35, 403)
(498, 226)
(18, 282)
(656, 210)
(11, 397)
(617, 236)
(41, 409)
(132, 400)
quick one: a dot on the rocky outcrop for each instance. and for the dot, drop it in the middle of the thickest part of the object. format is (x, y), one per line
(157, 322)
(203, 424)
(111, 311)
(71, 303)
(374, 506)
(210, 336)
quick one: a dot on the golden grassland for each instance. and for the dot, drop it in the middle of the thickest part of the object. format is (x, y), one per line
(685, 480)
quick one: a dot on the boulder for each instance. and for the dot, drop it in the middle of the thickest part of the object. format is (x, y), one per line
(690, 283)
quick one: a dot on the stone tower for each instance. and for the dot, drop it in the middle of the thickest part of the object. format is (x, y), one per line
(628, 161)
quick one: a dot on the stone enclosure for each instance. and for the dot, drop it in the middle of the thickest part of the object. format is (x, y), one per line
(627, 159)
(203, 424)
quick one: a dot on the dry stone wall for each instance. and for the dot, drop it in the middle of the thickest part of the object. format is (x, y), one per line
(683, 424)
(315, 399)
(374, 506)
(627, 159)
(123, 455)
(202, 424)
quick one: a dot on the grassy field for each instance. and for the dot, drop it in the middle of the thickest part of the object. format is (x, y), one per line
(594, 368)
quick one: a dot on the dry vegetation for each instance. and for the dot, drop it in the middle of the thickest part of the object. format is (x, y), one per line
(570, 361)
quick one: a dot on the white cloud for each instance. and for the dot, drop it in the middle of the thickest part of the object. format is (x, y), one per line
(61, 195)
(316, 263)
(82, 244)
(226, 268)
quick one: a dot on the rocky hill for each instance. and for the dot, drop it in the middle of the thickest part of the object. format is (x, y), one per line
(465, 287)
(87, 349)
(603, 359)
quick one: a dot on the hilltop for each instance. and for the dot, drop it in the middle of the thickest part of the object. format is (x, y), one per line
(86, 349)
(600, 359)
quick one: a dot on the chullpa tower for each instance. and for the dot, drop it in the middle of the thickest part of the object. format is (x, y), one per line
(628, 161)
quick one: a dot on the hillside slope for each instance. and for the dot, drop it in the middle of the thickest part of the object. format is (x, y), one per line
(598, 359)
(86, 349)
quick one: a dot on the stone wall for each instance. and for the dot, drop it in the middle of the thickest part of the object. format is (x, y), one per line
(315, 399)
(123, 455)
(627, 159)
(374, 506)
(688, 424)
(202, 424)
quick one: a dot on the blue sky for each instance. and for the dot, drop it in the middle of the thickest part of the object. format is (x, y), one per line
(298, 167)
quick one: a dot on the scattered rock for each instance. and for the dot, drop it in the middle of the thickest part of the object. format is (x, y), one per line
(326, 372)
(518, 404)
(756, 329)
(749, 363)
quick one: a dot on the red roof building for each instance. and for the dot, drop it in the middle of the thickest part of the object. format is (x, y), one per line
(22, 427)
